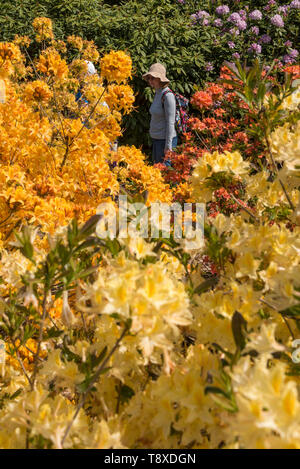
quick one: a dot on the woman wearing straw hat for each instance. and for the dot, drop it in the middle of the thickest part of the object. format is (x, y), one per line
(162, 125)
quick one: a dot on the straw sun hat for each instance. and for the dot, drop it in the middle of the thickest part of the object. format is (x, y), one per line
(157, 71)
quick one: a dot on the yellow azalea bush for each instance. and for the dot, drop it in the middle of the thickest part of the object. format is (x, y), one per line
(131, 342)
(58, 126)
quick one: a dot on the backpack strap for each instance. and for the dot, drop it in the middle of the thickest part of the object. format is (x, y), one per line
(164, 94)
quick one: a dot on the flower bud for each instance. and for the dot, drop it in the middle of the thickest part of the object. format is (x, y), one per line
(66, 315)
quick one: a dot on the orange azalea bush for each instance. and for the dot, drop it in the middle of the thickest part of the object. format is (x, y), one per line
(58, 126)
(219, 122)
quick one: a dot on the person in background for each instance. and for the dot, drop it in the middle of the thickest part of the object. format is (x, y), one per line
(163, 111)
(91, 70)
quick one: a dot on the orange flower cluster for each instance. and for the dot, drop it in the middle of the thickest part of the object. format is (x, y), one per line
(51, 64)
(218, 124)
(294, 70)
(26, 354)
(182, 163)
(76, 42)
(10, 56)
(202, 100)
(205, 99)
(87, 49)
(196, 124)
(223, 204)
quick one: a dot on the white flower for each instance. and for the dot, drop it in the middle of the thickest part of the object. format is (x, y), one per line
(264, 341)
(66, 315)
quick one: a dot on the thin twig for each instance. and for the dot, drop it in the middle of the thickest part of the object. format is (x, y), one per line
(12, 157)
(65, 155)
(90, 192)
(48, 148)
(119, 398)
(285, 320)
(101, 120)
(42, 109)
(58, 113)
(84, 326)
(276, 171)
(55, 325)
(244, 208)
(44, 313)
(23, 368)
(69, 144)
(93, 381)
(31, 351)
(7, 218)
(19, 222)
(88, 118)
(201, 140)
(32, 63)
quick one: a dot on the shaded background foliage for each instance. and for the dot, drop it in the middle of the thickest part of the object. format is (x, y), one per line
(151, 31)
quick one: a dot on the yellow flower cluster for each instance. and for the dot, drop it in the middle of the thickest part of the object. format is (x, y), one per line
(38, 91)
(10, 57)
(291, 103)
(177, 407)
(269, 406)
(116, 66)
(120, 97)
(51, 64)
(43, 29)
(213, 163)
(286, 147)
(155, 302)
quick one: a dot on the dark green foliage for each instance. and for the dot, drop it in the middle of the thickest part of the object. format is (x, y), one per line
(69, 17)
(151, 31)
(159, 31)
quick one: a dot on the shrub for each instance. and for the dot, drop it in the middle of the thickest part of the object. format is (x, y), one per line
(142, 342)
(67, 122)
(159, 30)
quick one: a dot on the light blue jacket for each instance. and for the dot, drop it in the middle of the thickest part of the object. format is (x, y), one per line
(162, 125)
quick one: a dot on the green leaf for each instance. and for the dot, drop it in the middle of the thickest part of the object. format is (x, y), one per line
(221, 398)
(293, 312)
(102, 355)
(238, 325)
(221, 349)
(89, 227)
(89, 242)
(126, 393)
(52, 333)
(206, 285)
